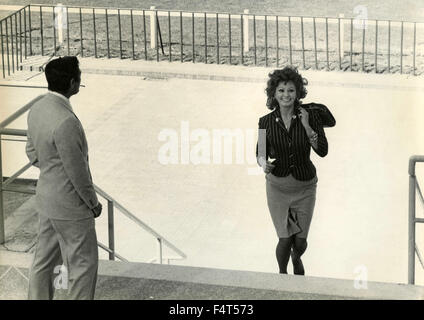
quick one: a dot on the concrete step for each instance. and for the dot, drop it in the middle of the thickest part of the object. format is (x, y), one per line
(21, 228)
(143, 281)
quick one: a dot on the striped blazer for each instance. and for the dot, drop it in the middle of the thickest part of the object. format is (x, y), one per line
(291, 149)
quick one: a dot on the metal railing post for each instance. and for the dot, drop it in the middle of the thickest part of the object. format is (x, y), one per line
(25, 34)
(246, 30)
(81, 40)
(411, 231)
(303, 43)
(169, 36)
(41, 31)
(401, 48)
(160, 250)
(206, 38)
(157, 35)
(340, 43)
(2, 50)
(94, 33)
(229, 37)
(181, 37)
(2, 234)
(7, 48)
(68, 26)
(144, 35)
(388, 47)
(326, 44)
(277, 38)
(363, 45)
(351, 43)
(11, 43)
(111, 229)
(217, 39)
(414, 48)
(120, 34)
(20, 36)
(241, 39)
(192, 40)
(54, 31)
(376, 46)
(132, 35)
(290, 43)
(315, 45)
(411, 224)
(16, 42)
(30, 30)
(266, 41)
(412, 219)
(254, 38)
(107, 34)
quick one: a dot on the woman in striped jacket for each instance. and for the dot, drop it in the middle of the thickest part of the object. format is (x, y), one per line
(287, 135)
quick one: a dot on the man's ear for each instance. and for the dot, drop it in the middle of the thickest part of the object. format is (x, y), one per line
(71, 83)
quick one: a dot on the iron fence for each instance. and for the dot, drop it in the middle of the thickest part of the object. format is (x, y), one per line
(321, 43)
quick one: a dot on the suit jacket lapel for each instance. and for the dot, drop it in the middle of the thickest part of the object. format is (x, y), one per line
(276, 118)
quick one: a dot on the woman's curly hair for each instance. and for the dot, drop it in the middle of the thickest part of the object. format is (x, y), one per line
(286, 74)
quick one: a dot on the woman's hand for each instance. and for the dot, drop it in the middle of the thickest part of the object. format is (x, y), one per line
(304, 117)
(267, 166)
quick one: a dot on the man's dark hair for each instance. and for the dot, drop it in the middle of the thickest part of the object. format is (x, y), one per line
(60, 71)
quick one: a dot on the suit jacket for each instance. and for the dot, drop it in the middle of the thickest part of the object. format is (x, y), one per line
(58, 146)
(291, 148)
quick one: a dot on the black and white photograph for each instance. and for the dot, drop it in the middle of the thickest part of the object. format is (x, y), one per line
(211, 150)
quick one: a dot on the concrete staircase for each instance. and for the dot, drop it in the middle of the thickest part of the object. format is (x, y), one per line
(21, 228)
(143, 281)
(148, 281)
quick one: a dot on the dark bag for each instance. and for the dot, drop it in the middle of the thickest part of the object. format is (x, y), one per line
(327, 118)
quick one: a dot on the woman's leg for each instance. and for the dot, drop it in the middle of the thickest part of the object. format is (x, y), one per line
(299, 248)
(283, 253)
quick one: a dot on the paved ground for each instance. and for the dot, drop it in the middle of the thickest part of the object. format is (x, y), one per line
(217, 213)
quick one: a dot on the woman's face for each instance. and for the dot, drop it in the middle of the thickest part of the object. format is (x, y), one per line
(285, 93)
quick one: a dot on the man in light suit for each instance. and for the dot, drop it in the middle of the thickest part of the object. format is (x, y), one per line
(66, 200)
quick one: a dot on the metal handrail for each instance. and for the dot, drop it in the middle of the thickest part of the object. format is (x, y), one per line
(161, 240)
(413, 220)
(112, 203)
(16, 12)
(16, 115)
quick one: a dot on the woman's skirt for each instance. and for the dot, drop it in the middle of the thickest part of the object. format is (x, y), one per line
(291, 203)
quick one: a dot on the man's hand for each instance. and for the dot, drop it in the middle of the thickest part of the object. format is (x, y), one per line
(97, 210)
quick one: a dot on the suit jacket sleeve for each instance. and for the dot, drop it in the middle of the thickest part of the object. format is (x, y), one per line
(30, 151)
(69, 138)
(316, 125)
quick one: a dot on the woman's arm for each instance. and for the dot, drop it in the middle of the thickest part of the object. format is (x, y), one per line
(320, 144)
(315, 131)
